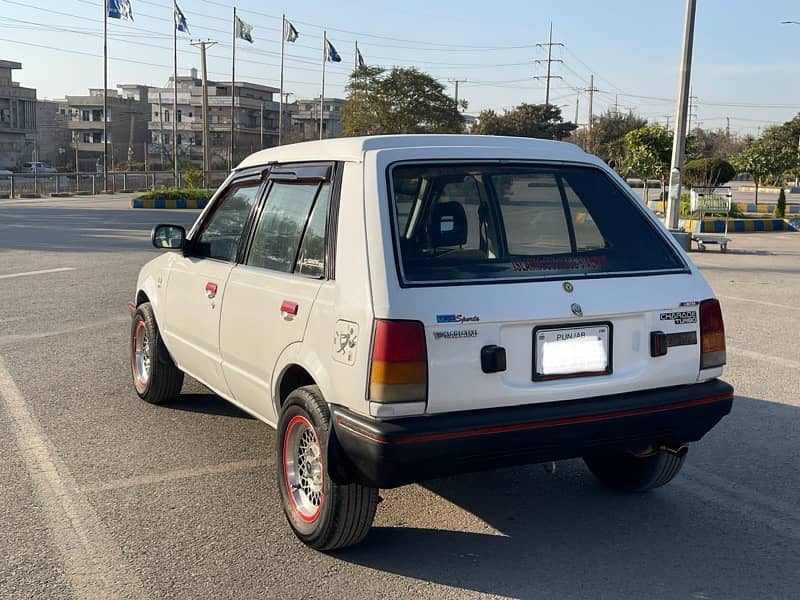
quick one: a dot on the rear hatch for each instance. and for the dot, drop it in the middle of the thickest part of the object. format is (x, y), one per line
(539, 283)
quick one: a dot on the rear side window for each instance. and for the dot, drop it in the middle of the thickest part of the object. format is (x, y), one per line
(497, 222)
(290, 233)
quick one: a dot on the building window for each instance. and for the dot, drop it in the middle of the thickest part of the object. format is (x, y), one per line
(180, 141)
(166, 116)
(190, 115)
(179, 118)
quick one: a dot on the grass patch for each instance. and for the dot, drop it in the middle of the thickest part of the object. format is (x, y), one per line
(178, 193)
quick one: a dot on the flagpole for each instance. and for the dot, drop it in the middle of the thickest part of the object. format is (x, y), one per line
(174, 94)
(280, 100)
(105, 95)
(322, 91)
(355, 58)
(233, 90)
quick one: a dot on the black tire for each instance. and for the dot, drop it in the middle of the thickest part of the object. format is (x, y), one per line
(630, 473)
(161, 380)
(323, 514)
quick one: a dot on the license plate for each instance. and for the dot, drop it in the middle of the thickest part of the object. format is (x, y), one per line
(572, 351)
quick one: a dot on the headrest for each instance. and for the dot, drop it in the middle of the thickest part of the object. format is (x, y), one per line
(448, 225)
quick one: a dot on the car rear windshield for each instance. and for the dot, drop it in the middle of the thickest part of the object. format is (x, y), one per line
(509, 222)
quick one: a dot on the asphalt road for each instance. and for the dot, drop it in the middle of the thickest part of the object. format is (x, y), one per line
(104, 496)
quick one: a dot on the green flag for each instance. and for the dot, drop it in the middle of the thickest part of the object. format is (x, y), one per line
(290, 33)
(244, 31)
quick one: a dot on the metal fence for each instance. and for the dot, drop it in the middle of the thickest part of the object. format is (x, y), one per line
(44, 184)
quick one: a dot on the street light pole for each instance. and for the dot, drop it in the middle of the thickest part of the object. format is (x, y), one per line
(681, 113)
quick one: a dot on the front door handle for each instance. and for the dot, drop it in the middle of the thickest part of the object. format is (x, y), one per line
(211, 289)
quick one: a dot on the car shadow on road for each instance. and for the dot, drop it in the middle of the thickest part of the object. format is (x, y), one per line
(206, 403)
(725, 528)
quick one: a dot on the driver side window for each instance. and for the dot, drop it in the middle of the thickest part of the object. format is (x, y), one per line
(222, 231)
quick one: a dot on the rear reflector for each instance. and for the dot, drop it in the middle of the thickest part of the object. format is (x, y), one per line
(712, 335)
(399, 366)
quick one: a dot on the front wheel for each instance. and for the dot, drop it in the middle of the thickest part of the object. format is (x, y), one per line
(634, 473)
(323, 514)
(155, 376)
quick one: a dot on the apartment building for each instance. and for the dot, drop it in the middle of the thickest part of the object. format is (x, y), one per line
(305, 118)
(256, 120)
(127, 126)
(17, 119)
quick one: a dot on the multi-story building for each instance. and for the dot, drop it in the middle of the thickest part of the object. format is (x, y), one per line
(127, 127)
(256, 117)
(305, 118)
(17, 119)
(52, 139)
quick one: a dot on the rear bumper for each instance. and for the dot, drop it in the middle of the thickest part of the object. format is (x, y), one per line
(393, 453)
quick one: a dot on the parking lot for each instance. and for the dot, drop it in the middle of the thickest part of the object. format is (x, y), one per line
(105, 496)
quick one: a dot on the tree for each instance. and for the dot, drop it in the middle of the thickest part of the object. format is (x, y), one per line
(708, 171)
(607, 138)
(526, 120)
(715, 143)
(648, 151)
(765, 157)
(398, 101)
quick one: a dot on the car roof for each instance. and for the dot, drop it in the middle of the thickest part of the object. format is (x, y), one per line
(352, 149)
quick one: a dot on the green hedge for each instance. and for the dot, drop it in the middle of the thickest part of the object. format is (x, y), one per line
(178, 193)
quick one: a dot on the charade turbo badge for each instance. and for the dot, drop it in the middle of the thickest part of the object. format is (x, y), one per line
(457, 319)
(680, 317)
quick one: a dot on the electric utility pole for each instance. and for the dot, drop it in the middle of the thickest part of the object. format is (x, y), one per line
(203, 45)
(681, 110)
(549, 60)
(591, 89)
(577, 103)
(456, 82)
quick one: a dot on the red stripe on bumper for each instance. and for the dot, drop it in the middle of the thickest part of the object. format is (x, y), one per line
(480, 431)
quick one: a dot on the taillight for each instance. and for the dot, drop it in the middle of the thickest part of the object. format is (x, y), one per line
(712, 335)
(399, 368)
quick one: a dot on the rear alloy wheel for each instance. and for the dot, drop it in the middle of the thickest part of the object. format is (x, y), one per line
(155, 376)
(636, 473)
(323, 514)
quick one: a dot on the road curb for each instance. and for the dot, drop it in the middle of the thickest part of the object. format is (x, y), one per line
(170, 203)
(739, 225)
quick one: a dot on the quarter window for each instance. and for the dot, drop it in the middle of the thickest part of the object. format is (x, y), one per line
(222, 231)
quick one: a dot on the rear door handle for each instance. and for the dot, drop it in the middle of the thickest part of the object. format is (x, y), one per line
(211, 289)
(289, 308)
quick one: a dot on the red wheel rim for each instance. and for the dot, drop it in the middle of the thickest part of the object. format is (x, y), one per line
(303, 469)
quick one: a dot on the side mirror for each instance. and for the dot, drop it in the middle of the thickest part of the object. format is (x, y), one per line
(168, 237)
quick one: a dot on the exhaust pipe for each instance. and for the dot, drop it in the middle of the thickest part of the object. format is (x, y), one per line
(679, 452)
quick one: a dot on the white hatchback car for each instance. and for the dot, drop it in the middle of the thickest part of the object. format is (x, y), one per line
(409, 307)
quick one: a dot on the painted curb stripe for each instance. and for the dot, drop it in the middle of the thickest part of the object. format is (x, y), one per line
(168, 203)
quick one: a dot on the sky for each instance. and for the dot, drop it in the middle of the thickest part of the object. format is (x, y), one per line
(745, 65)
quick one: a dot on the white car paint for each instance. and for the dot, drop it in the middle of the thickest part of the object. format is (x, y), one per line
(240, 344)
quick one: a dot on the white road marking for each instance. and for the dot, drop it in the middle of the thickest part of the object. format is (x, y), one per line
(775, 360)
(764, 302)
(782, 517)
(229, 467)
(93, 563)
(42, 272)
(14, 338)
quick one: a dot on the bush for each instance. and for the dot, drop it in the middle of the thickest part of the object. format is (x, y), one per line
(708, 171)
(193, 178)
(780, 206)
(177, 193)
